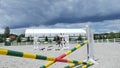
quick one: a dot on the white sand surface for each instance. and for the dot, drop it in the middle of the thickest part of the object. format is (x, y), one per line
(106, 54)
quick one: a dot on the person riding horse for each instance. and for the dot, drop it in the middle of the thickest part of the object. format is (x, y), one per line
(58, 40)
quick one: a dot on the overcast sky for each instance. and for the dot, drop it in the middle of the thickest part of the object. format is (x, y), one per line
(102, 15)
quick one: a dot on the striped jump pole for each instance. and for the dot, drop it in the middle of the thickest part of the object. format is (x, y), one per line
(82, 66)
(64, 54)
(70, 61)
(25, 54)
(35, 56)
(71, 66)
(86, 66)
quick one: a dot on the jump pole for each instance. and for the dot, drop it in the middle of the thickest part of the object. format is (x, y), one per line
(90, 49)
(25, 54)
(90, 54)
(35, 56)
(81, 66)
(64, 54)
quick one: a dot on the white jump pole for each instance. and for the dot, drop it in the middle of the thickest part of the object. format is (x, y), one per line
(66, 41)
(36, 43)
(90, 51)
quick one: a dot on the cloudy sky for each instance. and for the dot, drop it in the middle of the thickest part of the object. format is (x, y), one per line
(102, 15)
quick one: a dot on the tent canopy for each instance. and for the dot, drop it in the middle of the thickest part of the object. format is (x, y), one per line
(52, 32)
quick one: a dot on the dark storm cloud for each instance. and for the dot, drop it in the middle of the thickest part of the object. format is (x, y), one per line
(27, 13)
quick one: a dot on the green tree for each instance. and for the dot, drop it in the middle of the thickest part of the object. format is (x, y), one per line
(54, 39)
(1, 40)
(46, 38)
(28, 39)
(70, 39)
(7, 32)
(79, 38)
(96, 36)
(18, 39)
(22, 35)
(111, 35)
(119, 34)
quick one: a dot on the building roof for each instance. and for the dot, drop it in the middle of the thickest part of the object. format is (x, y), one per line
(37, 32)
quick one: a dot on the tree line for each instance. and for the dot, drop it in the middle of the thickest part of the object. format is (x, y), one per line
(6, 34)
(110, 35)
